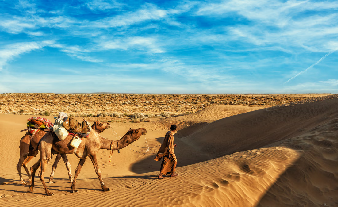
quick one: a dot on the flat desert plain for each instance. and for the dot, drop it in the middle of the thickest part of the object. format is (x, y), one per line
(228, 154)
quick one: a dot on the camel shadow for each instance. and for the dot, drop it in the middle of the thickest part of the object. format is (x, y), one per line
(4, 181)
(18, 186)
(147, 177)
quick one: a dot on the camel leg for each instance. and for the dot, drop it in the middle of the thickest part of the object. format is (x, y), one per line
(65, 160)
(57, 159)
(22, 163)
(33, 171)
(24, 151)
(77, 172)
(98, 172)
(42, 178)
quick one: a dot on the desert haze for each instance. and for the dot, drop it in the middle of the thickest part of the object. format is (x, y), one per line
(232, 150)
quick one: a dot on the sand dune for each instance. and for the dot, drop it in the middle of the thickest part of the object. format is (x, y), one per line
(281, 156)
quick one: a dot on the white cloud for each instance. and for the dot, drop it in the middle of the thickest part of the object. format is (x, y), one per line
(148, 12)
(104, 5)
(77, 52)
(14, 50)
(16, 25)
(277, 22)
(26, 6)
(144, 43)
(331, 82)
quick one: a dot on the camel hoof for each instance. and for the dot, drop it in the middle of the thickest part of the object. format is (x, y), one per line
(49, 193)
(23, 182)
(51, 181)
(30, 189)
(74, 191)
(104, 188)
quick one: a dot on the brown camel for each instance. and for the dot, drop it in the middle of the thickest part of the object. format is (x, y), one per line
(89, 147)
(28, 150)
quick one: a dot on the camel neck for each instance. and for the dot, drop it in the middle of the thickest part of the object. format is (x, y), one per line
(105, 143)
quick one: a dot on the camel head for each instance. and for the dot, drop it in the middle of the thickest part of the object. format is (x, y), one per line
(100, 126)
(131, 136)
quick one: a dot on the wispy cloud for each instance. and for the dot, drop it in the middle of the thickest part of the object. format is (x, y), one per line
(15, 25)
(14, 50)
(148, 44)
(238, 44)
(331, 82)
(77, 52)
(277, 22)
(148, 12)
(104, 5)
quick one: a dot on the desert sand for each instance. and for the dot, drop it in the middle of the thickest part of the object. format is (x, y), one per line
(228, 155)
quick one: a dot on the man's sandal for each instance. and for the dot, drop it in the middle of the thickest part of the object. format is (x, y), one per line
(174, 175)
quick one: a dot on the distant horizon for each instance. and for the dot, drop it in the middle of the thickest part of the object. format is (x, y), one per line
(169, 47)
(186, 93)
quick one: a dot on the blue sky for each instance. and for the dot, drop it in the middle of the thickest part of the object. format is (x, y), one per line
(232, 46)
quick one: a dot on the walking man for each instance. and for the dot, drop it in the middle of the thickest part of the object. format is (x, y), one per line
(167, 152)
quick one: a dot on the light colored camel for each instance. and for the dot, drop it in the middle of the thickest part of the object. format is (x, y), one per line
(89, 147)
(28, 150)
(98, 127)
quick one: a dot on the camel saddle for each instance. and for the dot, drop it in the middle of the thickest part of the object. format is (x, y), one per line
(72, 125)
(68, 145)
(39, 123)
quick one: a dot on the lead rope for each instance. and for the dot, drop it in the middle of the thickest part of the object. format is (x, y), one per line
(111, 152)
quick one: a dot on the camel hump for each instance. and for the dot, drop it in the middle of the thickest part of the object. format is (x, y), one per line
(73, 125)
(99, 127)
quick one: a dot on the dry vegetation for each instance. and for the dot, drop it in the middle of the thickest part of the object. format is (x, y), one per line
(138, 106)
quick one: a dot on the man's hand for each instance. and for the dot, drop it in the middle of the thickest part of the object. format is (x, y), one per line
(175, 145)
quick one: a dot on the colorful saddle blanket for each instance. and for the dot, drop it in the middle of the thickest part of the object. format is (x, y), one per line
(38, 122)
(35, 124)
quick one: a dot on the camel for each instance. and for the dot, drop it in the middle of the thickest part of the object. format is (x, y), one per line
(99, 127)
(28, 150)
(89, 146)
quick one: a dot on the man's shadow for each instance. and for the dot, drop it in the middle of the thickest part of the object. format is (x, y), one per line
(148, 164)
